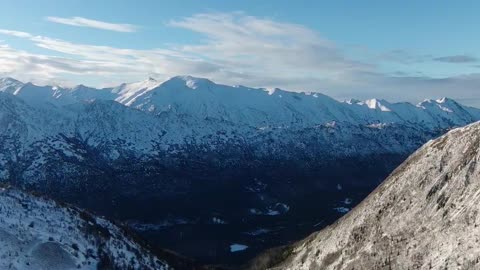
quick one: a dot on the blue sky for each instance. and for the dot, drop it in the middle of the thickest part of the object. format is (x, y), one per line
(403, 50)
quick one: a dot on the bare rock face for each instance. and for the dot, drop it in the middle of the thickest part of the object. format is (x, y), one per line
(424, 216)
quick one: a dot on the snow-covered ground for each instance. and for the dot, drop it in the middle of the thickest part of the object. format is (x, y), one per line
(237, 247)
(40, 234)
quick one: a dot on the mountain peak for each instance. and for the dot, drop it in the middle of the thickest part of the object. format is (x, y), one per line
(10, 85)
(9, 80)
(377, 104)
(80, 86)
(187, 80)
(445, 100)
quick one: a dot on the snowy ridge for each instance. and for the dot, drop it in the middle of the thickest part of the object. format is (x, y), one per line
(125, 93)
(202, 98)
(424, 216)
(9, 85)
(52, 129)
(40, 234)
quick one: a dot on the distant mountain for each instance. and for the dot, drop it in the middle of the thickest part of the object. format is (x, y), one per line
(185, 111)
(201, 99)
(423, 216)
(255, 159)
(37, 233)
(9, 85)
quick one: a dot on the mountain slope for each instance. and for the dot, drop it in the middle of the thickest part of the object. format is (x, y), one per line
(424, 216)
(36, 233)
(10, 85)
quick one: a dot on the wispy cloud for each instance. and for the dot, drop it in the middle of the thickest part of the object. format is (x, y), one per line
(93, 62)
(457, 59)
(258, 45)
(84, 22)
(15, 33)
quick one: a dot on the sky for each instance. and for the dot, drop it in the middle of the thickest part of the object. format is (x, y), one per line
(395, 50)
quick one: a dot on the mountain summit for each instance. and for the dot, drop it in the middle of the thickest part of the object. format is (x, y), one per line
(424, 216)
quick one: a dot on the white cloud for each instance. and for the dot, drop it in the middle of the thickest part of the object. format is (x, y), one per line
(95, 63)
(249, 44)
(15, 33)
(84, 22)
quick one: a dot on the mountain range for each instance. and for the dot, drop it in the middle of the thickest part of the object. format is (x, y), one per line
(191, 115)
(256, 107)
(199, 167)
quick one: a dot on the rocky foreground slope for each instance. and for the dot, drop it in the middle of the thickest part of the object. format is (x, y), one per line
(40, 234)
(424, 216)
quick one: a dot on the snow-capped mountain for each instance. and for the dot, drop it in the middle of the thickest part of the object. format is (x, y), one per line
(37, 233)
(201, 99)
(127, 92)
(185, 110)
(176, 142)
(423, 216)
(185, 116)
(9, 85)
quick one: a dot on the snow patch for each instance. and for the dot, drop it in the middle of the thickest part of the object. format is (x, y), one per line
(237, 247)
(342, 210)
